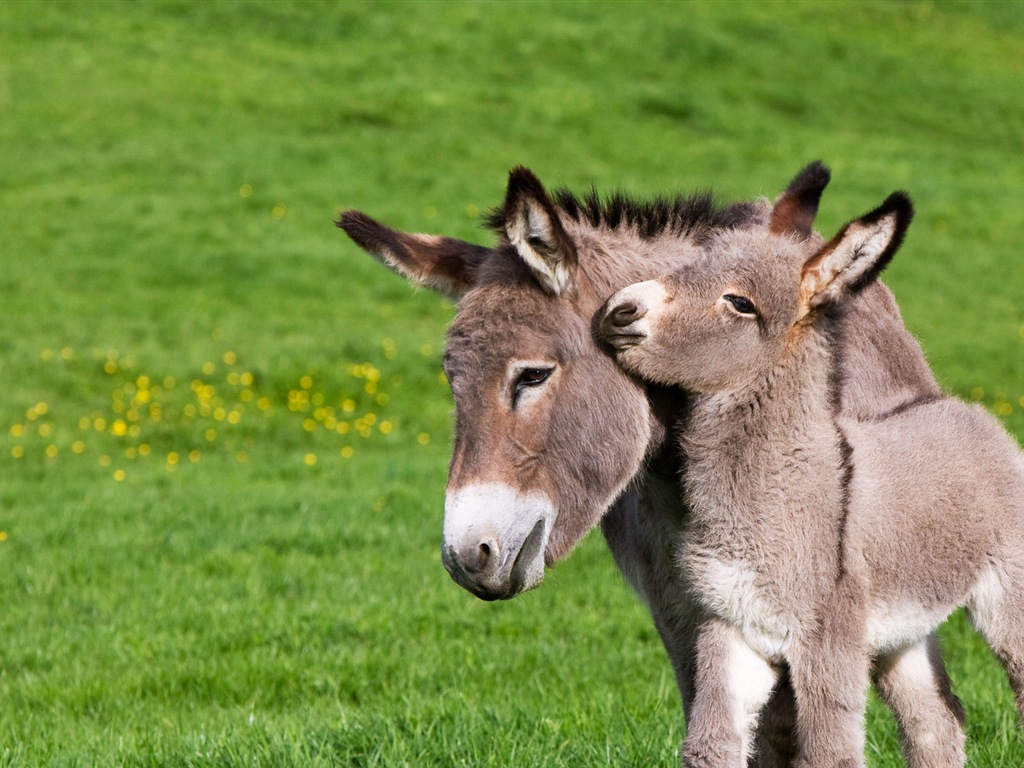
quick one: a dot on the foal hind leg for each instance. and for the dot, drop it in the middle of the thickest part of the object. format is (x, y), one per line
(914, 684)
(997, 610)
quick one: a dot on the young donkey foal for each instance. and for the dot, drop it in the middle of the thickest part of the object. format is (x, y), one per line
(817, 539)
(552, 438)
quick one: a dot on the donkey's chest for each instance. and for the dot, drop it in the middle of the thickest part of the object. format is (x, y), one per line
(736, 590)
(765, 510)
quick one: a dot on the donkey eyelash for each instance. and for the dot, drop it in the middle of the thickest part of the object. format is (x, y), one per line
(527, 378)
(532, 377)
(741, 304)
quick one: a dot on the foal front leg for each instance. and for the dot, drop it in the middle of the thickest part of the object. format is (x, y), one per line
(830, 674)
(775, 744)
(732, 685)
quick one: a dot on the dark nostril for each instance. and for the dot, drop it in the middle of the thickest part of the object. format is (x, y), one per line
(624, 314)
(477, 559)
(483, 554)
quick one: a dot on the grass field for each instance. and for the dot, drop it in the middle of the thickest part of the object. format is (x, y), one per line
(224, 434)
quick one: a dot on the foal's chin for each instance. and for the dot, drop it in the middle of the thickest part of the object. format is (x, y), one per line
(635, 361)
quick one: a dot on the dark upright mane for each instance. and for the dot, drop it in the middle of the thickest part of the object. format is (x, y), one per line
(692, 215)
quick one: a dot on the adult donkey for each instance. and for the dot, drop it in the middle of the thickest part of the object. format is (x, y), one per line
(551, 438)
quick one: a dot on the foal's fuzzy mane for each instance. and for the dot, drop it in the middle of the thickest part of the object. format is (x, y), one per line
(694, 215)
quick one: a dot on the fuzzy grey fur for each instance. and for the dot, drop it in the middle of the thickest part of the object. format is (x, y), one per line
(588, 437)
(820, 536)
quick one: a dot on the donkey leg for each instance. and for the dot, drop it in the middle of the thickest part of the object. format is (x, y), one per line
(731, 687)
(914, 684)
(775, 744)
(830, 670)
(831, 698)
(997, 610)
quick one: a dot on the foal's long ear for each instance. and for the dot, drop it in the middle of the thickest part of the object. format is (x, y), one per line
(857, 254)
(445, 264)
(794, 211)
(530, 221)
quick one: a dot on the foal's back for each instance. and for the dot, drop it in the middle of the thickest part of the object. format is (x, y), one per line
(937, 501)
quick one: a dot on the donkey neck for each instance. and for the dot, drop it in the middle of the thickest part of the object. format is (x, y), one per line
(771, 450)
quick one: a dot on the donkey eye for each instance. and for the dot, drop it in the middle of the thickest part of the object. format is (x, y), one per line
(741, 304)
(531, 377)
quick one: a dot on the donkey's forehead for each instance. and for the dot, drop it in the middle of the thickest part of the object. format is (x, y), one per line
(506, 321)
(758, 265)
(758, 244)
(759, 260)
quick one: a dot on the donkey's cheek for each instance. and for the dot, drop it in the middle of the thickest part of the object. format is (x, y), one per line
(599, 441)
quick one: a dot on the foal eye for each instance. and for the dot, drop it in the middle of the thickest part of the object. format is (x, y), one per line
(741, 304)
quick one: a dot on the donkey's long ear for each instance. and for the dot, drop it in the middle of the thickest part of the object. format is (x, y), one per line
(857, 254)
(445, 264)
(530, 222)
(794, 211)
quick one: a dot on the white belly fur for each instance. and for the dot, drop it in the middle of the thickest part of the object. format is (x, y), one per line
(729, 589)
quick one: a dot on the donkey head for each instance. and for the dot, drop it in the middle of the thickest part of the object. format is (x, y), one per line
(719, 325)
(549, 431)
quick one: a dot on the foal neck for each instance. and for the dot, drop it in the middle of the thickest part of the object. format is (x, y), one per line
(770, 451)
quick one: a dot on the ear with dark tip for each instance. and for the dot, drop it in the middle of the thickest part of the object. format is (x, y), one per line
(856, 256)
(532, 226)
(794, 211)
(444, 264)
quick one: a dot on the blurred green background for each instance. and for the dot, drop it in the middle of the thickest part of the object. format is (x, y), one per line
(224, 434)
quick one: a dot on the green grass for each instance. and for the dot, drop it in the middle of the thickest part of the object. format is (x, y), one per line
(273, 595)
